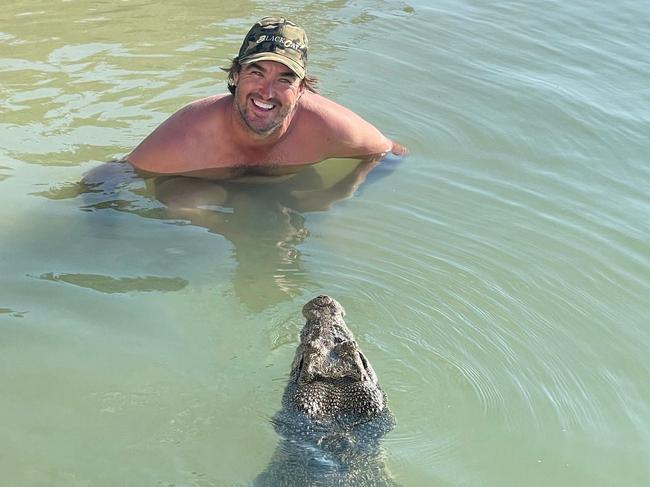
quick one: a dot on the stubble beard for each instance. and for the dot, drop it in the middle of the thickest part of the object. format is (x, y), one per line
(267, 129)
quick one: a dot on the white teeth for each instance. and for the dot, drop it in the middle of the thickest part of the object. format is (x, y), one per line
(261, 104)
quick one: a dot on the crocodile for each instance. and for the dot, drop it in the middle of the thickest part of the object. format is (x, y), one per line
(333, 412)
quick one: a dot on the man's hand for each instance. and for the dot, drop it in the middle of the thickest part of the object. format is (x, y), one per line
(399, 150)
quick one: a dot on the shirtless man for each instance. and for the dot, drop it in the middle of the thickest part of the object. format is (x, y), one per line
(272, 123)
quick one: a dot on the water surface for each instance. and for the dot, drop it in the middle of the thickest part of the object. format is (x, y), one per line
(498, 280)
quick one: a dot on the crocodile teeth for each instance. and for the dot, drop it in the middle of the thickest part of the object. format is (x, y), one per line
(261, 104)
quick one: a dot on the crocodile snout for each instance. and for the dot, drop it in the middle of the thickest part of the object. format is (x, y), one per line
(321, 306)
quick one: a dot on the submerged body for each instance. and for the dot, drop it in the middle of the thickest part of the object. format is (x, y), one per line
(333, 411)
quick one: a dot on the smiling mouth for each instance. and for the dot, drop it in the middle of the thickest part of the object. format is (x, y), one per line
(262, 105)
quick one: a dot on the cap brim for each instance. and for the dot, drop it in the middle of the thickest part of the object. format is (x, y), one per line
(279, 58)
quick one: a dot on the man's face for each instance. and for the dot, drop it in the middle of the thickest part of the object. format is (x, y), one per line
(266, 92)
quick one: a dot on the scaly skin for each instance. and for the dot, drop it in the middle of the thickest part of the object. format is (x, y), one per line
(333, 412)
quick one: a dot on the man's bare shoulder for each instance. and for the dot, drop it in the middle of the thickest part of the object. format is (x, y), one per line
(180, 136)
(209, 103)
(343, 132)
(196, 113)
(323, 109)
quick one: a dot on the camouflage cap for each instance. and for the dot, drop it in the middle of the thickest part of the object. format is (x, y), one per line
(276, 39)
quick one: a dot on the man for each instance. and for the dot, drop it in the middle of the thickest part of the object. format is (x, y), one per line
(273, 123)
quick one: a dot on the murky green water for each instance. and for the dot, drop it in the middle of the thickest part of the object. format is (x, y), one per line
(498, 280)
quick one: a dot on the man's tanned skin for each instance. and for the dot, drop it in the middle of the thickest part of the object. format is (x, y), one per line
(271, 126)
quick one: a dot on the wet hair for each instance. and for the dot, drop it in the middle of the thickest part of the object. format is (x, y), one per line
(310, 83)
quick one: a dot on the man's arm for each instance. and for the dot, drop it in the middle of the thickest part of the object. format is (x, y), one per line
(346, 134)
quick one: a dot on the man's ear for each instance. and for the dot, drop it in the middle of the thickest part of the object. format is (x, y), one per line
(235, 78)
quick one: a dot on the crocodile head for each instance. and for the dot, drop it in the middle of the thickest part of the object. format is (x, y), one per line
(330, 377)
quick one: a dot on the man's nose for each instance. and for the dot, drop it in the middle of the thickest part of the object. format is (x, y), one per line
(267, 88)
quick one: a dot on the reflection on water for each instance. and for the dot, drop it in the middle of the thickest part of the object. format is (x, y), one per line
(110, 285)
(12, 312)
(3, 171)
(263, 222)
